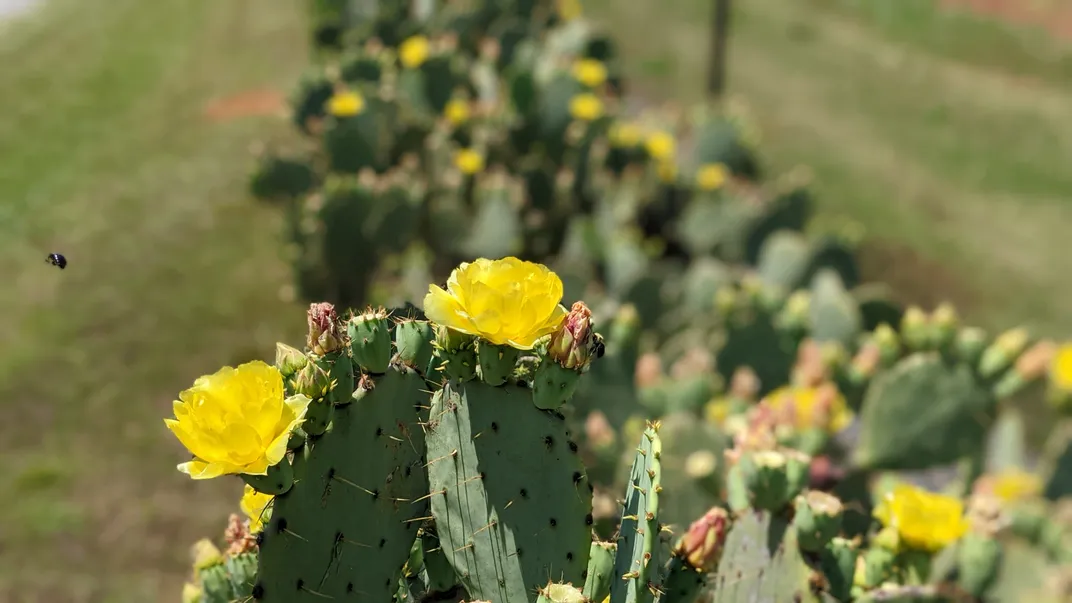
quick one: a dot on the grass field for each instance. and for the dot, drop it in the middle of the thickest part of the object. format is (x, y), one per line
(106, 157)
(948, 139)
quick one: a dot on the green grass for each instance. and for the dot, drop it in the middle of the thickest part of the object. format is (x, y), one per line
(947, 136)
(107, 158)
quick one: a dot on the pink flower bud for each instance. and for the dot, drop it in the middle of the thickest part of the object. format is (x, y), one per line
(325, 333)
(702, 544)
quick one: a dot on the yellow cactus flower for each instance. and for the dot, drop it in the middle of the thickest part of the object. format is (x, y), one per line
(590, 72)
(568, 10)
(507, 302)
(205, 554)
(718, 410)
(624, 135)
(236, 421)
(457, 111)
(821, 407)
(346, 103)
(414, 52)
(712, 176)
(254, 504)
(667, 171)
(1061, 369)
(1015, 485)
(660, 145)
(191, 593)
(468, 161)
(923, 520)
(586, 107)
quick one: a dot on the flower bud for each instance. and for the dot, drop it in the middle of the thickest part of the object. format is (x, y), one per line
(1003, 352)
(289, 360)
(765, 476)
(312, 381)
(887, 341)
(817, 519)
(702, 544)
(914, 329)
(205, 554)
(457, 350)
(572, 343)
(970, 344)
(944, 321)
(191, 593)
(838, 563)
(324, 329)
(744, 384)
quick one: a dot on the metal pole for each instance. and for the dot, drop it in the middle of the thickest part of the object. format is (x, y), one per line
(720, 30)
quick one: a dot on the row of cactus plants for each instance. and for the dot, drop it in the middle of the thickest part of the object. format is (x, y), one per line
(438, 133)
(417, 457)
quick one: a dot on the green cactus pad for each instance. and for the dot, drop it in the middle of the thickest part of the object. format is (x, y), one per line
(757, 344)
(637, 564)
(760, 563)
(370, 341)
(345, 529)
(414, 338)
(600, 571)
(511, 499)
(923, 412)
(833, 312)
(784, 260)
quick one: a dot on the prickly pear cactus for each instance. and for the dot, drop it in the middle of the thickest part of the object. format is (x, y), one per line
(511, 499)
(638, 562)
(761, 563)
(346, 525)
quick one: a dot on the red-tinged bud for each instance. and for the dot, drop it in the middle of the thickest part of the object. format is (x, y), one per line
(702, 544)
(574, 343)
(325, 330)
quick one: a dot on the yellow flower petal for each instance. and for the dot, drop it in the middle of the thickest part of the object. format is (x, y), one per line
(346, 104)
(586, 107)
(923, 520)
(590, 72)
(255, 505)
(235, 421)
(507, 301)
(1061, 369)
(712, 176)
(414, 51)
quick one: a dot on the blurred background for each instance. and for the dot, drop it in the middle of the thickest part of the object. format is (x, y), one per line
(127, 134)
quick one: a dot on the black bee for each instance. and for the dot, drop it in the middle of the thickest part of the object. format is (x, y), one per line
(57, 259)
(598, 346)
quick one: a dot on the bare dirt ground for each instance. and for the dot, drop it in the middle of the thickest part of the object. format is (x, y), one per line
(252, 103)
(1054, 16)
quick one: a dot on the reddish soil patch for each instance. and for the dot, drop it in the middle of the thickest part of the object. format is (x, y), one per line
(1055, 16)
(913, 278)
(252, 103)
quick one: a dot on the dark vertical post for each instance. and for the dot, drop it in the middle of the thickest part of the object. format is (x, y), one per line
(720, 31)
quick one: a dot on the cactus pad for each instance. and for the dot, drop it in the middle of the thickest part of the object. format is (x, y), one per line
(760, 563)
(924, 411)
(345, 529)
(511, 499)
(636, 566)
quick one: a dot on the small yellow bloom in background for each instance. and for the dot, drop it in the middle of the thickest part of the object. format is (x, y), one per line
(712, 176)
(346, 104)
(718, 410)
(624, 134)
(236, 421)
(507, 302)
(468, 161)
(414, 51)
(660, 145)
(1015, 485)
(1061, 369)
(457, 111)
(586, 107)
(923, 520)
(569, 10)
(191, 593)
(205, 554)
(590, 72)
(254, 504)
(667, 171)
(822, 407)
